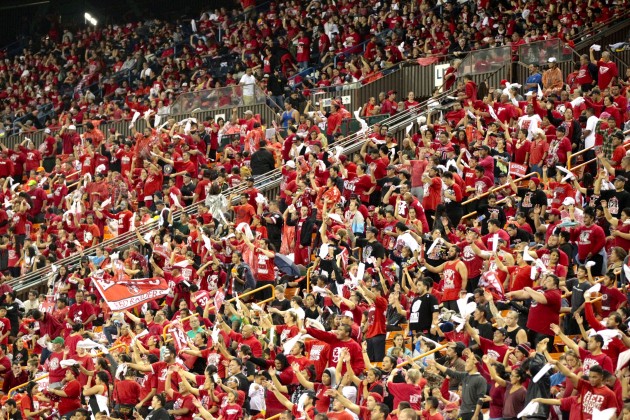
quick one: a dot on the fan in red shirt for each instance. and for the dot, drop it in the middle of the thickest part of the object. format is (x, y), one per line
(607, 70)
(376, 323)
(593, 394)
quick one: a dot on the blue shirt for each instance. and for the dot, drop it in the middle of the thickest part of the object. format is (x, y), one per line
(534, 78)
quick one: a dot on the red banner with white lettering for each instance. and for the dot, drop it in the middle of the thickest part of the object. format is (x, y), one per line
(121, 293)
(180, 339)
(517, 169)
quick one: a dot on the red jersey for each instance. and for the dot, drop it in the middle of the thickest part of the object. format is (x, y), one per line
(376, 318)
(451, 282)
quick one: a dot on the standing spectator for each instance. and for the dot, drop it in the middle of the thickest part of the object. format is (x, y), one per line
(534, 80)
(262, 160)
(474, 386)
(544, 310)
(587, 74)
(248, 81)
(607, 70)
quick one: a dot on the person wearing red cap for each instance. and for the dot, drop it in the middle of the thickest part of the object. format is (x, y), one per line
(389, 105)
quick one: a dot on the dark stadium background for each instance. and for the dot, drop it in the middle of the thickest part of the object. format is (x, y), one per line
(27, 17)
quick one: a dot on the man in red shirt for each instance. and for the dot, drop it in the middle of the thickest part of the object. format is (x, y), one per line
(544, 310)
(590, 239)
(81, 312)
(607, 70)
(593, 394)
(376, 323)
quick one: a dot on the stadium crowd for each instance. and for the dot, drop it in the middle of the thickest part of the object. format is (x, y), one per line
(476, 242)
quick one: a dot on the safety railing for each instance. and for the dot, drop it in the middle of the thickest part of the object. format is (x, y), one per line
(224, 97)
(244, 295)
(495, 189)
(15, 388)
(265, 183)
(420, 356)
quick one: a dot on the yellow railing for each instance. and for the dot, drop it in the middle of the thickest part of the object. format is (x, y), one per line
(15, 388)
(500, 187)
(420, 356)
(251, 292)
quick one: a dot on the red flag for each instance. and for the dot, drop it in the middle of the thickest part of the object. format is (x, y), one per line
(427, 61)
(180, 339)
(219, 297)
(121, 294)
(517, 170)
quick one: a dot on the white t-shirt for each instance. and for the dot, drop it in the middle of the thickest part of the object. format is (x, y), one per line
(248, 83)
(591, 124)
(529, 123)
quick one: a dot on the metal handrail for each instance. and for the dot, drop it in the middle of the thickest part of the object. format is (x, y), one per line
(271, 179)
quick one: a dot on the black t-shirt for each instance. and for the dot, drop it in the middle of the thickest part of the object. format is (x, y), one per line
(617, 201)
(531, 199)
(495, 212)
(521, 236)
(283, 305)
(386, 182)
(421, 312)
(372, 249)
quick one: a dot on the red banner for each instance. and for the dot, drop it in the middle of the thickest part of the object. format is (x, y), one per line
(427, 61)
(125, 293)
(180, 339)
(518, 170)
(219, 297)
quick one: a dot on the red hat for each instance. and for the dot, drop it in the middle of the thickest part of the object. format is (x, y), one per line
(377, 397)
(474, 229)
(504, 82)
(316, 143)
(391, 92)
(461, 228)
(555, 212)
(343, 158)
(536, 181)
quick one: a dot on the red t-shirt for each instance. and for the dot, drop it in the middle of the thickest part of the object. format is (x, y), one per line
(147, 383)
(520, 277)
(493, 350)
(543, 315)
(606, 73)
(407, 392)
(127, 392)
(589, 359)
(72, 401)
(376, 318)
(601, 398)
(185, 401)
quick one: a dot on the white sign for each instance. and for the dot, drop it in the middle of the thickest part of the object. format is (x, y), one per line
(439, 71)
(346, 100)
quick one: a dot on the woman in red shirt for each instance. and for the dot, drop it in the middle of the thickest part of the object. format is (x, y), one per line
(69, 393)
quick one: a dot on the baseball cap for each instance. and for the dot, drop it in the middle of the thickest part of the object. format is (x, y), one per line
(554, 212)
(451, 407)
(621, 178)
(391, 92)
(502, 331)
(249, 179)
(503, 82)
(473, 229)
(348, 314)
(568, 201)
(58, 340)
(552, 59)
(536, 181)
(72, 127)
(31, 182)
